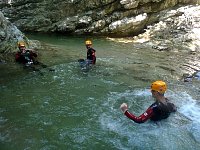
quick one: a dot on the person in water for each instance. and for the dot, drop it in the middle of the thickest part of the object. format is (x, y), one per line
(24, 56)
(90, 52)
(159, 110)
(27, 57)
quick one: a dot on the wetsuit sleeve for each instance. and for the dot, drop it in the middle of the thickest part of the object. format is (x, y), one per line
(142, 118)
(17, 56)
(93, 56)
(93, 51)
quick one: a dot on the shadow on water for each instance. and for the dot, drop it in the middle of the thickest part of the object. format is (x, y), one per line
(76, 109)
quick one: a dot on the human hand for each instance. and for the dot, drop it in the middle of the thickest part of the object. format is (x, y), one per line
(124, 107)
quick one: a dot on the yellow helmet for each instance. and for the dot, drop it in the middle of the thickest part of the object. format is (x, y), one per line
(159, 86)
(88, 42)
(20, 44)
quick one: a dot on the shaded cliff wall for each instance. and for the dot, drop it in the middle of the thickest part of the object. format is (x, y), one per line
(101, 17)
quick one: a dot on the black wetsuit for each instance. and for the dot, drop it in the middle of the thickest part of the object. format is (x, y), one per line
(91, 55)
(157, 111)
(27, 57)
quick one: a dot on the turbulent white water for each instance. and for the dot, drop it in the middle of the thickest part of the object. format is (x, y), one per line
(80, 110)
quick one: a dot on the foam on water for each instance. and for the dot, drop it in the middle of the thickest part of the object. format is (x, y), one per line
(187, 105)
(130, 134)
(79, 109)
(113, 120)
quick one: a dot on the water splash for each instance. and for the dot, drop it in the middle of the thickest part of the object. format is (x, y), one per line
(188, 106)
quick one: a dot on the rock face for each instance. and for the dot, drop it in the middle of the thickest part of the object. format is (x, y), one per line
(9, 35)
(177, 30)
(100, 17)
(174, 28)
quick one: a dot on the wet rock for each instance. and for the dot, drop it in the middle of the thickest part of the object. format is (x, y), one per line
(128, 25)
(129, 4)
(187, 79)
(190, 78)
(2, 61)
(85, 16)
(161, 48)
(197, 75)
(178, 29)
(9, 35)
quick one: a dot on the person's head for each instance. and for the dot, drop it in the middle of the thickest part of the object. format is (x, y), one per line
(158, 88)
(88, 43)
(21, 46)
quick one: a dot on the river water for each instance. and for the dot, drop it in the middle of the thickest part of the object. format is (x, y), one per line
(70, 108)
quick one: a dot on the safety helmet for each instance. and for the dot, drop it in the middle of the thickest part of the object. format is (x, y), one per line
(88, 42)
(159, 86)
(21, 44)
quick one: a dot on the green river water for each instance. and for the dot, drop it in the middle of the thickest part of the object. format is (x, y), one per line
(72, 109)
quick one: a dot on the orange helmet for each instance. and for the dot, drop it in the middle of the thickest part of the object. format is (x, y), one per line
(21, 44)
(88, 42)
(159, 86)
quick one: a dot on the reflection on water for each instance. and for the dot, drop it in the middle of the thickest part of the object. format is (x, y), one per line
(80, 110)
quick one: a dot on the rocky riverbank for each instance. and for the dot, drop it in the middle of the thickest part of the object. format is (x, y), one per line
(177, 27)
(177, 30)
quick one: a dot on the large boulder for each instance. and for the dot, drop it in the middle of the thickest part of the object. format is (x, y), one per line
(9, 35)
